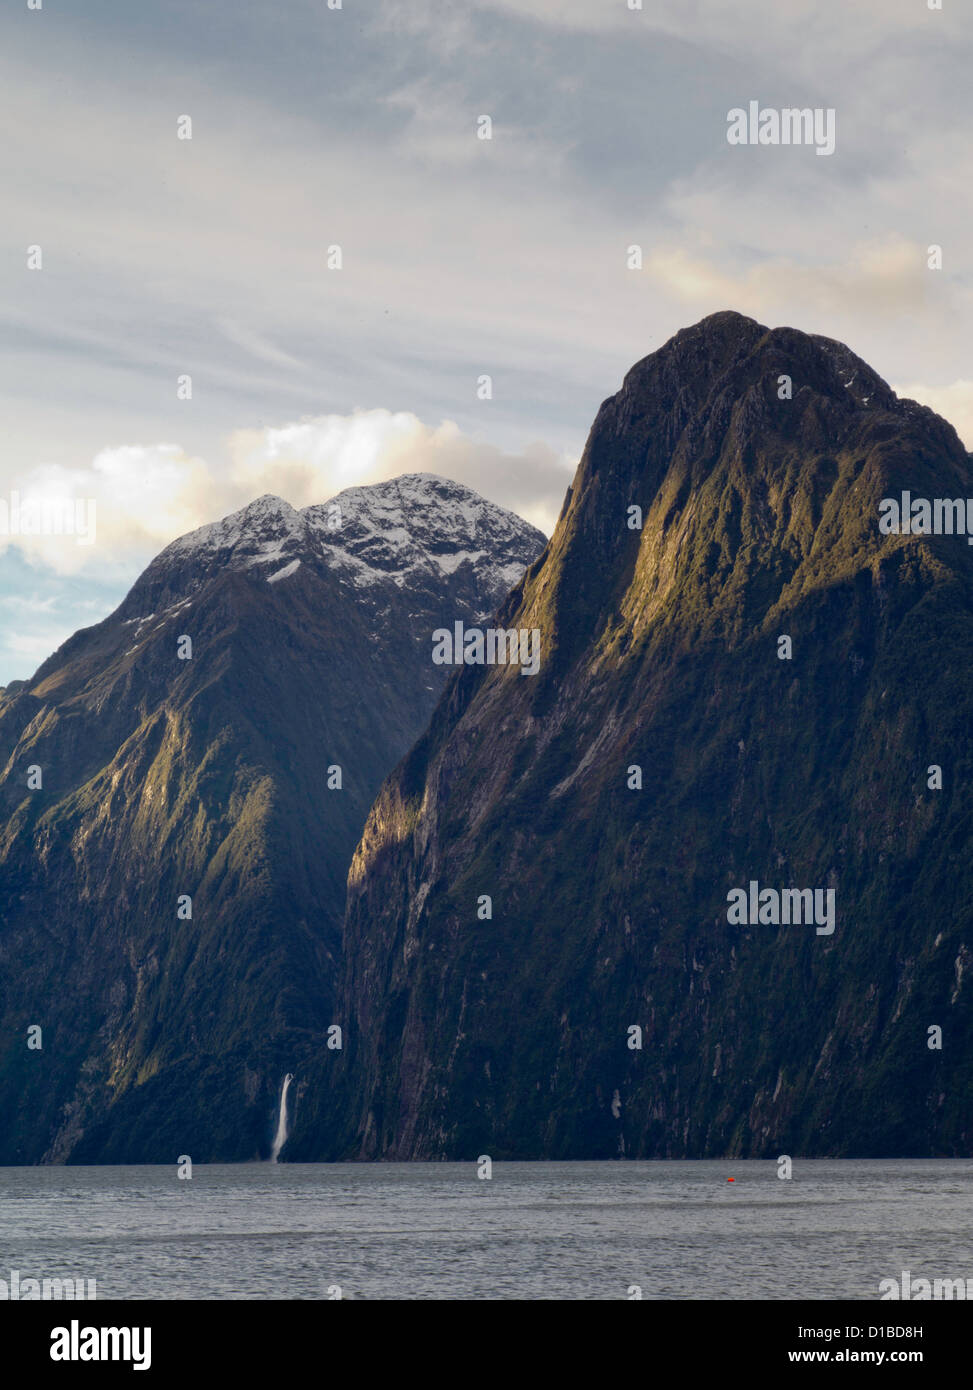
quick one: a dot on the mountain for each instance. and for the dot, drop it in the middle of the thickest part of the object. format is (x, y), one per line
(214, 777)
(807, 765)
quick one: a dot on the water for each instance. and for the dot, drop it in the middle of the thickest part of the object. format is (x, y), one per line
(534, 1231)
(280, 1138)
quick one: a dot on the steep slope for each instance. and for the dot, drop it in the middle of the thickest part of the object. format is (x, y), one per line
(660, 650)
(213, 778)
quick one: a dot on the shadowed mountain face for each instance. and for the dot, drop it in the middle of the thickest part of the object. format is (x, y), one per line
(801, 766)
(215, 779)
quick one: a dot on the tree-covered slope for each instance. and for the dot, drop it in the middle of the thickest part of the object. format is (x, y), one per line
(212, 777)
(661, 650)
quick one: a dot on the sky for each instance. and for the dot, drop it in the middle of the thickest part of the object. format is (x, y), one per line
(314, 128)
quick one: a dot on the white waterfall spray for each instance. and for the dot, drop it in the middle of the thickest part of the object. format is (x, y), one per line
(280, 1138)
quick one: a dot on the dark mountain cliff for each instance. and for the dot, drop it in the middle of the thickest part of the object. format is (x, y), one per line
(209, 777)
(660, 649)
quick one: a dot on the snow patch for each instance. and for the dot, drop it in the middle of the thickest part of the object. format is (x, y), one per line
(283, 574)
(449, 564)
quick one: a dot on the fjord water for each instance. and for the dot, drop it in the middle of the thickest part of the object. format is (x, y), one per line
(534, 1231)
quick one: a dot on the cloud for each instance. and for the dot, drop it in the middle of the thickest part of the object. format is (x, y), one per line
(878, 279)
(113, 513)
(208, 257)
(313, 459)
(460, 255)
(734, 23)
(143, 496)
(257, 346)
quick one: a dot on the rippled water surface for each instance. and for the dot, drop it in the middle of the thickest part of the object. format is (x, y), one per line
(535, 1230)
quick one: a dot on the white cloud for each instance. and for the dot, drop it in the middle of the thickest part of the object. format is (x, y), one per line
(130, 499)
(146, 495)
(315, 458)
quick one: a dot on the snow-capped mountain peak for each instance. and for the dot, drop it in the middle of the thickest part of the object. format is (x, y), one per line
(417, 530)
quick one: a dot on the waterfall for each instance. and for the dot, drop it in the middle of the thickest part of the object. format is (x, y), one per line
(280, 1138)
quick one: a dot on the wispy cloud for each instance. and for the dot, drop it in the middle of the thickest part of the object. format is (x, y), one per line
(256, 345)
(462, 257)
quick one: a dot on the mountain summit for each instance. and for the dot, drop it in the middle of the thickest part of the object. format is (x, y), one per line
(748, 694)
(700, 886)
(417, 531)
(182, 788)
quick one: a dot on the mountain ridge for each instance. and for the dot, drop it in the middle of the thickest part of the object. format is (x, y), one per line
(759, 518)
(235, 781)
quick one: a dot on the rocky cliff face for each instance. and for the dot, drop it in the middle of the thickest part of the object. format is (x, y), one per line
(214, 778)
(799, 764)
